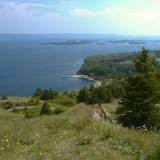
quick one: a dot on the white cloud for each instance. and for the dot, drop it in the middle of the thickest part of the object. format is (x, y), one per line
(67, 16)
(35, 5)
(42, 7)
(88, 12)
(82, 12)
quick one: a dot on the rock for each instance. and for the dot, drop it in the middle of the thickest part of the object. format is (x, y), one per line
(101, 114)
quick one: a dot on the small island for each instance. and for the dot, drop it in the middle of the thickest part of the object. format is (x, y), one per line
(129, 41)
(70, 42)
(99, 42)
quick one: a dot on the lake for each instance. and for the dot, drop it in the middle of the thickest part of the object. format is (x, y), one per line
(25, 64)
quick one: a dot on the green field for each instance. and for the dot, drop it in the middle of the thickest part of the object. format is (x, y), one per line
(72, 135)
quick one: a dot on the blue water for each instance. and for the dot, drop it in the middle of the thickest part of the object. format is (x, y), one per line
(26, 65)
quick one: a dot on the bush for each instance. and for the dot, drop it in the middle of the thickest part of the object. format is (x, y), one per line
(84, 139)
(7, 105)
(16, 110)
(3, 98)
(31, 103)
(105, 133)
(68, 102)
(10, 105)
(58, 110)
(25, 138)
(28, 114)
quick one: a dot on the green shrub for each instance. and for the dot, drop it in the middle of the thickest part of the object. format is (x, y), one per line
(7, 105)
(105, 133)
(31, 103)
(10, 105)
(84, 139)
(25, 138)
(3, 98)
(26, 141)
(16, 110)
(68, 102)
(29, 114)
(58, 110)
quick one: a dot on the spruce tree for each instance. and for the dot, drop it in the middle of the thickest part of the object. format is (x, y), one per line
(49, 95)
(45, 108)
(38, 92)
(142, 94)
(83, 95)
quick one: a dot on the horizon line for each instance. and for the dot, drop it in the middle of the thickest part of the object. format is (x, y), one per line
(109, 34)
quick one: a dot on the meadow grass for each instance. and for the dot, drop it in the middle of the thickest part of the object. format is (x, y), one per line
(73, 135)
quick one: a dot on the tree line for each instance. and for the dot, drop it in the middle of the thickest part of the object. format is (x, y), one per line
(103, 94)
(47, 94)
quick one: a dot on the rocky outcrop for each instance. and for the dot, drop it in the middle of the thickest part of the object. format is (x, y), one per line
(101, 114)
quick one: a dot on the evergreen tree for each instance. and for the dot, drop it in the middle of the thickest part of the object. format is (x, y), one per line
(38, 92)
(95, 95)
(45, 108)
(83, 95)
(142, 94)
(116, 88)
(49, 94)
(45, 95)
(101, 94)
(94, 99)
(91, 88)
(109, 96)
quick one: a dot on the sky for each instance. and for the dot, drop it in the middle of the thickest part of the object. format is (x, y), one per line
(130, 17)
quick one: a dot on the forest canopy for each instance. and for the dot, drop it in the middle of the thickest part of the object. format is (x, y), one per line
(115, 65)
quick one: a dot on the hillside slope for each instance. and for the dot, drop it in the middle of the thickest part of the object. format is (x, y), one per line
(73, 135)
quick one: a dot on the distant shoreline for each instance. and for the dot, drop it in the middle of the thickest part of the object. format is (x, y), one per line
(96, 82)
(99, 42)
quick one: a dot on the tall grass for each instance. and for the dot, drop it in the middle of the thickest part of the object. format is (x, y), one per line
(72, 135)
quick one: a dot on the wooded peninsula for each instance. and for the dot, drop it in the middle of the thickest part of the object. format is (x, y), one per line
(115, 65)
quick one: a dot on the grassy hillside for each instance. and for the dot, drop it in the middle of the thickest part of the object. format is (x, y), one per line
(72, 135)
